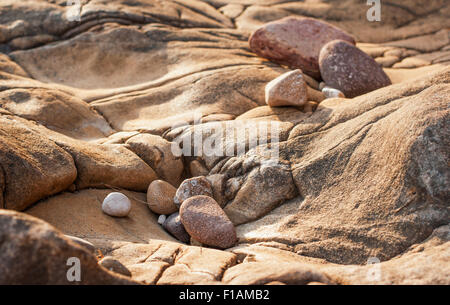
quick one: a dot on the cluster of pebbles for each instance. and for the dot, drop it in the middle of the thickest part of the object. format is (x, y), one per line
(316, 51)
(326, 61)
(189, 213)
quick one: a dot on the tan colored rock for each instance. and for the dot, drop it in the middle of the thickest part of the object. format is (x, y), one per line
(36, 253)
(108, 165)
(158, 154)
(160, 196)
(197, 169)
(315, 95)
(310, 107)
(80, 214)
(82, 242)
(288, 89)
(32, 167)
(114, 266)
(261, 273)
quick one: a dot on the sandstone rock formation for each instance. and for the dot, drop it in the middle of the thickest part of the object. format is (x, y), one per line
(94, 106)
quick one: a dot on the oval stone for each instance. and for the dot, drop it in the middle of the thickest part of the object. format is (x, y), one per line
(117, 205)
(296, 42)
(192, 187)
(207, 223)
(174, 226)
(348, 69)
(160, 196)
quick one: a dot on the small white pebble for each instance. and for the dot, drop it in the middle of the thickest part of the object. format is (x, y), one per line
(322, 85)
(117, 205)
(161, 219)
(331, 92)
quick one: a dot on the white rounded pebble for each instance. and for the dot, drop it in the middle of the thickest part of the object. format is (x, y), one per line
(117, 205)
(331, 92)
(161, 219)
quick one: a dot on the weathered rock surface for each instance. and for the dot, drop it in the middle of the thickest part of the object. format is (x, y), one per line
(33, 252)
(321, 189)
(206, 222)
(296, 42)
(348, 69)
(157, 153)
(114, 266)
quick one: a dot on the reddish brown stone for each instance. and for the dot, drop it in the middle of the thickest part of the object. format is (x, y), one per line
(348, 69)
(296, 42)
(207, 223)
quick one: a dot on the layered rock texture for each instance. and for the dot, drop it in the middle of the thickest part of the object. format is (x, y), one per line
(94, 106)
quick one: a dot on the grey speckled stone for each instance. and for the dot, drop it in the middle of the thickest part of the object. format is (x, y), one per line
(174, 226)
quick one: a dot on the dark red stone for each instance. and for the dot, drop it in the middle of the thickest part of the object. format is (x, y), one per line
(348, 69)
(296, 42)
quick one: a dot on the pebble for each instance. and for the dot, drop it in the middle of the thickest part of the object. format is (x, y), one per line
(322, 85)
(117, 205)
(331, 92)
(114, 266)
(160, 196)
(348, 69)
(288, 89)
(161, 219)
(192, 187)
(296, 42)
(174, 226)
(206, 222)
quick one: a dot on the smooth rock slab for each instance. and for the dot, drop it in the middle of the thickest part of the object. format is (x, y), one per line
(192, 187)
(116, 205)
(289, 89)
(207, 223)
(175, 227)
(160, 196)
(296, 42)
(348, 69)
